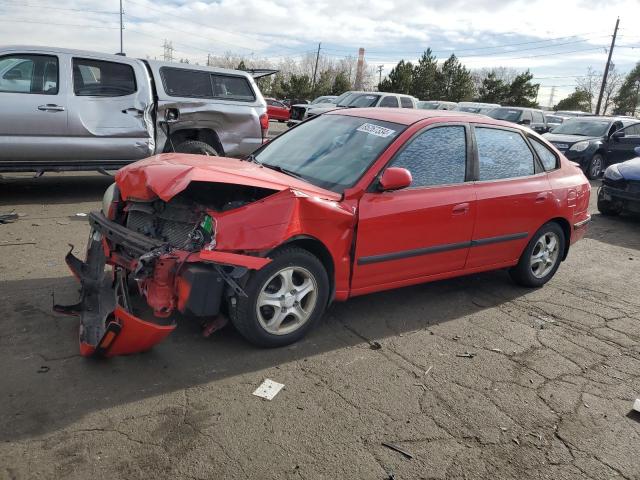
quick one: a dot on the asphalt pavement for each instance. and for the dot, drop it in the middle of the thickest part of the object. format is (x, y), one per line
(475, 377)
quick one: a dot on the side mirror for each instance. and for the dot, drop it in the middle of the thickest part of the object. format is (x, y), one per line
(526, 121)
(395, 178)
(619, 134)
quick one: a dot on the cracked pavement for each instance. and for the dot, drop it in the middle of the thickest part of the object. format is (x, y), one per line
(546, 391)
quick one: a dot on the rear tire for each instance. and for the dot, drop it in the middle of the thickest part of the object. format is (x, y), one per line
(272, 315)
(196, 147)
(595, 167)
(541, 259)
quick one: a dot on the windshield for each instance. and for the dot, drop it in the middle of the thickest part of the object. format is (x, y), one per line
(330, 151)
(428, 105)
(362, 100)
(340, 101)
(585, 128)
(508, 114)
(553, 119)
(323, 100)
(468, 109)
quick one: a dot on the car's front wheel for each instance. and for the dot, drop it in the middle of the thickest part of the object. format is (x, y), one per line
(541, 259)
(595, 166)
(284, 299)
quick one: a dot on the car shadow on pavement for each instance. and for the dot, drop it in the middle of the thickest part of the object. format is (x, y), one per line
(52, 188)
(621, 231)
(47, 386)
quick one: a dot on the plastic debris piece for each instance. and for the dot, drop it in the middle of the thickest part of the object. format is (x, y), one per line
(8, 217)
(81, 214)
(516, 441)
(43, 369)
(16, 243)
(398, 449)
(268, 389)
(428, 370)
(497, 350)
(636, 405)
(466, 355)
(375, 345)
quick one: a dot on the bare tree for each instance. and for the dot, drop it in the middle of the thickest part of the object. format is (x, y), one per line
(590, 83)
(614, 81)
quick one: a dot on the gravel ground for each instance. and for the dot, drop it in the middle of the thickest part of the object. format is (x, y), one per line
(548, 393)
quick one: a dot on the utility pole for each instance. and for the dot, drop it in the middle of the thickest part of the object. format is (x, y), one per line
(121, 29)
(208, 59)
(606, 68)
(380, 68)
(315, 69)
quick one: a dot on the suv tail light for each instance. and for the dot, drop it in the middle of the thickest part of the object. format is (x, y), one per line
(264, 125)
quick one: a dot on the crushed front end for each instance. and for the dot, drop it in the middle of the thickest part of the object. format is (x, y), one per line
(163, 260)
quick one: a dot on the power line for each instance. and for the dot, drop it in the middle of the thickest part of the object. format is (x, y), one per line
(85, 25)
(66, 9)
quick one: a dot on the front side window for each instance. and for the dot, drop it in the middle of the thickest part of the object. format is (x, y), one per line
(29, 74)
(389, 101)
(406, 102)
(437, 156)
(330, 151)
(97, 78)
(547, 157)
(502, 154)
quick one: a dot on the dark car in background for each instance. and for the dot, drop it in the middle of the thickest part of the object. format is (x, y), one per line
(596, 142)
(529, 117)
(620, 189)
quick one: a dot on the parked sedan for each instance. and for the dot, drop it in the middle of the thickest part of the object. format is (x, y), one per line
(593, 143)
(351, 202)
(277, 110)
(620, 189)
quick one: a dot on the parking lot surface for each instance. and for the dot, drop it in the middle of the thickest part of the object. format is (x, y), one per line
(475, 377)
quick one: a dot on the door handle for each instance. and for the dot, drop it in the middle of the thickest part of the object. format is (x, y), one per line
(542, 197)
(460, 209)
(133, 110)
(50, 107)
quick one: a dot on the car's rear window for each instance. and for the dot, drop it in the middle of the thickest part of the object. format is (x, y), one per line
(180, 82)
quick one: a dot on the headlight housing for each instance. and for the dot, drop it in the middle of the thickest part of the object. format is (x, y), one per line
(580, 146)
(109, 201)
(613, 173)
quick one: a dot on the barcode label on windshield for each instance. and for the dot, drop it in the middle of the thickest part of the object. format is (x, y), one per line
(376, 130)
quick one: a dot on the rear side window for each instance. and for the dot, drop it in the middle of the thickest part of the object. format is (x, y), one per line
(389, 101)
(97, 78)
(406, 102)
(186, 83)
(502, 154)
(179, 82)
(437, 156)
(29, 74)
(547, 157)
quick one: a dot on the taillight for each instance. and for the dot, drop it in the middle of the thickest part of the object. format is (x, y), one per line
(264, 125)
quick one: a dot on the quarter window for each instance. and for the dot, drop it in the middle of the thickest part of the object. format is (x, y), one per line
(406, 102)
(180, 82)
(29, 74)
(502, 154)
(232, 88)
(437, 156)
(97, 78)
(547, 157)
(389, 101)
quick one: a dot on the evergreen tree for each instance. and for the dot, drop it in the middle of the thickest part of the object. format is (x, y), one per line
(628, 98)
(492, 89)
(454, 81)
(425, 74)
(579, 100)
(340, 84)
(399, 79)
(521, 92)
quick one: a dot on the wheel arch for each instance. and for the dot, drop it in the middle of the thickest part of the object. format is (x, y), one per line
(206, 135)
(319, 249)
(566, 229)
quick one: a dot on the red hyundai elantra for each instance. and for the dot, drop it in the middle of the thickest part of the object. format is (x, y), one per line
(350, 202)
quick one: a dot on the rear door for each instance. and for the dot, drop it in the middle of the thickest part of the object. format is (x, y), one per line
(622, 148)
(513, 196)
(34, 106)
(423, 230)
(110, 109)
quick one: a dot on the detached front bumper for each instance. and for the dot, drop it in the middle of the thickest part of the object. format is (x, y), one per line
(169, 279)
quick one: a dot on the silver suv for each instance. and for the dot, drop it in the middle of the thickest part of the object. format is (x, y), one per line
(76, 110)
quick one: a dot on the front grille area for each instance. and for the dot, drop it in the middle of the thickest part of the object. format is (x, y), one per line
(297, 113)
(171, 223)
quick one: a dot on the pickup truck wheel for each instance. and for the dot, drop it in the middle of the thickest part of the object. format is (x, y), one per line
(541, 259)
(284, 300)
(196, 147)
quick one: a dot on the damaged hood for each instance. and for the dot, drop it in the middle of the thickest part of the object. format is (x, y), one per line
(166, 175)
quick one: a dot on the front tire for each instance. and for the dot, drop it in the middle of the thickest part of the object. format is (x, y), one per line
(196, 147)
(284, 300)
(595, 166)
(541, 259)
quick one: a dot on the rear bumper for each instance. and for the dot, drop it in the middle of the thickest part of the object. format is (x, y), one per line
(168, 279)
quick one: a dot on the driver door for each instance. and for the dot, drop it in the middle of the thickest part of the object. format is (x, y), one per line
(109, 118)
(408, 235)
(622, 148)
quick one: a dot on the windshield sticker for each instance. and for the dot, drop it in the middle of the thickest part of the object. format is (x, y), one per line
(376, 130)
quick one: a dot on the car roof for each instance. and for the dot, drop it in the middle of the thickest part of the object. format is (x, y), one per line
(408, 116)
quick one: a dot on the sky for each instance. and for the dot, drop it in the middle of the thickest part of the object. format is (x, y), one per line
(556, 39)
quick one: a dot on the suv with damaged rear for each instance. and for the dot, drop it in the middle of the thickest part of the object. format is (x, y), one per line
(76, 110)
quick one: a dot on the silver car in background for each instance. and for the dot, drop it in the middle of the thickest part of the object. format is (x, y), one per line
(77, 110)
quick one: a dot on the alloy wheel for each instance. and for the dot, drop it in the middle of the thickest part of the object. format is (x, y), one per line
(544, 255)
